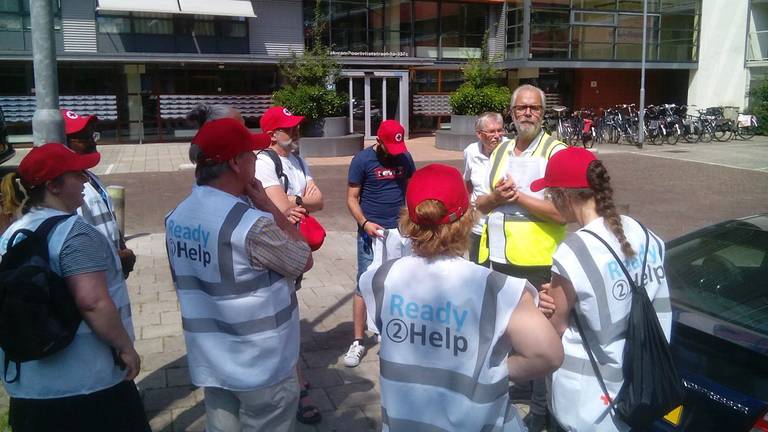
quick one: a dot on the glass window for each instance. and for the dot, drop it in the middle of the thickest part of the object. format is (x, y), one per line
(10, 22)
(451, 80)
(689, 7)
(349, 25)
(235, 29)
(426, 26)
(462, 29)
(594, 4)
(594, 18)
(551, 3)
(113, 24)
(550, 17)
(10, 6)
(425, 81)
(147, 23)
(592, 42)
(722, 273)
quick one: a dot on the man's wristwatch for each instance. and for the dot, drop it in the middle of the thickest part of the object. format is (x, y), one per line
(298, 200)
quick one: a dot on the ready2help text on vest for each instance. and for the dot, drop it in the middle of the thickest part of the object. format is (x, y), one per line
(414, 323)
(190, 242)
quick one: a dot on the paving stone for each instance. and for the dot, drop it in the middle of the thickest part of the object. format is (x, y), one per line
(152, 362)
(153, 331)
(364, 372)
(160, 421)
(174, 344)
(170, 398)
(149, 346)
(173, 317)
(178, 377)
(352, 419)
(190, 419)
(165, 306)
(353, 395)
(144, 319)
(151, 380)
(323, 377)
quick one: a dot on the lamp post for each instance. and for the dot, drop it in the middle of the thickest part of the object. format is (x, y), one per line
(641, 111)
(47, 124)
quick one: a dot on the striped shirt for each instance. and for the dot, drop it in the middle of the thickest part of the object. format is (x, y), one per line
(85, 250)
(270, 248)
(98, 210)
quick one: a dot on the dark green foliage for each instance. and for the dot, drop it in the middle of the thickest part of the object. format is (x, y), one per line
(758, 101)
(306, 77)
(310, 100)
(470, 100)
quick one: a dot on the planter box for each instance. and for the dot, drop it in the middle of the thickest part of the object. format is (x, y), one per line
(463, 124)
(461, 134)
(325, 127)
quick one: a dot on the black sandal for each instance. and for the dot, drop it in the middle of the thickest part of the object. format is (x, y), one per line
(304, 409)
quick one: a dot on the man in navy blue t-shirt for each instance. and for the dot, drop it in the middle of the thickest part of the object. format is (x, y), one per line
(377, 179)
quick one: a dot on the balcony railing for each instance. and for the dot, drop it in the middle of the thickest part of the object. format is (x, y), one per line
(757, 48)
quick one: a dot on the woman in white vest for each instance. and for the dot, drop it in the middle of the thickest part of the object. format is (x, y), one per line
(453, 332)
(588, 282)
(88, 385)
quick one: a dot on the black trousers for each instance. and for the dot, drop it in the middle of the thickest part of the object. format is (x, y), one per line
(115, 409)
(536, 275)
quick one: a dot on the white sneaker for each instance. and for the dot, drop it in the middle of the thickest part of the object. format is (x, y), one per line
(354, 354)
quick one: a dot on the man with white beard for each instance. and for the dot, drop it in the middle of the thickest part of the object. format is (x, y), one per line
(523, 228)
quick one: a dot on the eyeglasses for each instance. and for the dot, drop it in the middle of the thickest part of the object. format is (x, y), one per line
(493, 132)
(521, 109)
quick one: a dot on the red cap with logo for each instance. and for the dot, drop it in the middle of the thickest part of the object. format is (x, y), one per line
(566, 169)
(278, 117)
(392, 135)
(51, 160)
(74, 123)
(437, 182)
(222, 139)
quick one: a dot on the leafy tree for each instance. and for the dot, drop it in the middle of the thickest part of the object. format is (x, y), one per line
(758, 106)
(480, 91)
(307, 77)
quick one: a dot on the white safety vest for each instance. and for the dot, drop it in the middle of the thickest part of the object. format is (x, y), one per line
(391, 246)
(443, 358)
(86, 365)
(603, 307)
(241, 325)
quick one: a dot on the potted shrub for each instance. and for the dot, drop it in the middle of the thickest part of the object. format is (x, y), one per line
(479, 93)
(309, 91)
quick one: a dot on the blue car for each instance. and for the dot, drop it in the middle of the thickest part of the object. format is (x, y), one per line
(718, 281)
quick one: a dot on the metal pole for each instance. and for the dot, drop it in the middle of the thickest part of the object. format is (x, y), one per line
(47, 124)
(641, 112)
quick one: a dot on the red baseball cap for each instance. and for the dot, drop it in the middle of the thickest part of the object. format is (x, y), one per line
(74, 123)
(51, 160)
(437, 182)
(222, 139)
(566, 169)
(313, 232)
(391, 134)
(278, 117)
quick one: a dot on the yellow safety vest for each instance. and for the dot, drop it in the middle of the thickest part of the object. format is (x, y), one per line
(528, 240)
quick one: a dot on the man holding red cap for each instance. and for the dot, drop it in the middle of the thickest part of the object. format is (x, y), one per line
(284, 174)
(453, 332)
(97, 209)
(286, 179)
(233, 258)
(378, 176)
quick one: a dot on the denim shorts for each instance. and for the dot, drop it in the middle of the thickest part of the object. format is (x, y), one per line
(364, 256)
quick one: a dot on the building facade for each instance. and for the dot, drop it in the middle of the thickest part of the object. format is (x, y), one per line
(141, 64)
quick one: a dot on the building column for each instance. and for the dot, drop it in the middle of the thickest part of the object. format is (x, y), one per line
(133, 74)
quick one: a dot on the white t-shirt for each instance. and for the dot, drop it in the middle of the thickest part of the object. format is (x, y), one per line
(604, 300)
(476, 170)
(292, 168)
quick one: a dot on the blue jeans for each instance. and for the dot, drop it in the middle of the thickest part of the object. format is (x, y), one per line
(364, 256)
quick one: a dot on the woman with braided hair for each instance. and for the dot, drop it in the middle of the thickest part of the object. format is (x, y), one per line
(590, 294)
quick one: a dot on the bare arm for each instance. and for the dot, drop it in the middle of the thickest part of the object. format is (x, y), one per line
(98, 310)
(263, 202)
(505, 192)
(538, 349)
(540, 207)
(353, 204)
(564, 297)
(312, 197)
(285, 204)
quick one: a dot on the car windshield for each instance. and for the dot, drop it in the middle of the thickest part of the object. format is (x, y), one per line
(723, 272)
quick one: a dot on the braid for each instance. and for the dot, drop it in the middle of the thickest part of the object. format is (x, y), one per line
(600, 183)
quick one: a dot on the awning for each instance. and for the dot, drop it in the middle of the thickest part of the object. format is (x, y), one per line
(239, 8)
(156, 6)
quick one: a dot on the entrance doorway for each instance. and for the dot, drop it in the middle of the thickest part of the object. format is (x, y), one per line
(375, 96)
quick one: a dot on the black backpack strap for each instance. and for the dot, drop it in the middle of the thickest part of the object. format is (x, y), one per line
(42, 230)
(278, 166)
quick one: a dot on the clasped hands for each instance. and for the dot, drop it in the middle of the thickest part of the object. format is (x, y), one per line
(505, 191)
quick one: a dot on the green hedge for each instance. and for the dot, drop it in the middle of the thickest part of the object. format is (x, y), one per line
(759, 106)
(470, 100)
(312, 101)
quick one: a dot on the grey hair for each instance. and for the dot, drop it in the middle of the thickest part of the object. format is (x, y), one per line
(486, 117)
(205, 173)
(206, 112)
(528, 87)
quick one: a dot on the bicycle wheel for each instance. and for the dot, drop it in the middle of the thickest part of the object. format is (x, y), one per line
(722, 133)
(672, 136)
(747, 133)
(692, 133)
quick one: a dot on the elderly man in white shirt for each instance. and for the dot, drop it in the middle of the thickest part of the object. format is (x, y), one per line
(490, 133)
